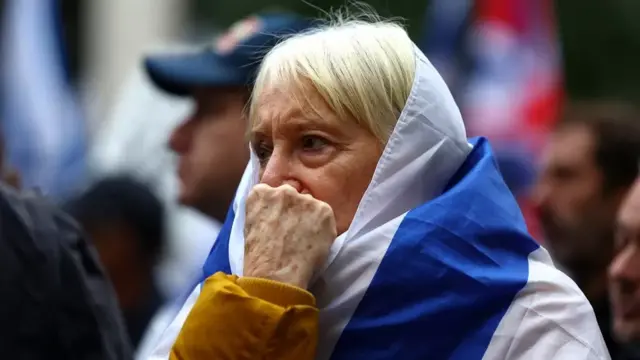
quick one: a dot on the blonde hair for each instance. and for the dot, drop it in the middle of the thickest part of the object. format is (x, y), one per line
(362, 67)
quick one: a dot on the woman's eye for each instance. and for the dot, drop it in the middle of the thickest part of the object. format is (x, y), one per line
(263, 152)
(313, 142)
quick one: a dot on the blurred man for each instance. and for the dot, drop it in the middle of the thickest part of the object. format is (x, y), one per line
(624, 275)
(588, 166)
(211, 142)
(125, 220)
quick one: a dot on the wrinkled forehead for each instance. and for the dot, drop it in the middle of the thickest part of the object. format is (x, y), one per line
(289, 104)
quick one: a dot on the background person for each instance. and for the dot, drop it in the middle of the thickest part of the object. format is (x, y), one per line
(211, 142)
(57, 302)
(125, 221)
(588, 166)
(624, 276)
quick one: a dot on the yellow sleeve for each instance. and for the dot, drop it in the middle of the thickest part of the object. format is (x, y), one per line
(249, 318)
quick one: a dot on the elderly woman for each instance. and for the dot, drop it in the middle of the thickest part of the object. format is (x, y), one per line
(363, 190)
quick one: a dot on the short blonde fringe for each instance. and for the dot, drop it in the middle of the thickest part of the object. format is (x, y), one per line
(361, 65)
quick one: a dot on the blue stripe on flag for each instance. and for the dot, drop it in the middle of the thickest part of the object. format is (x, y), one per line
(452, 270)
(218, 259)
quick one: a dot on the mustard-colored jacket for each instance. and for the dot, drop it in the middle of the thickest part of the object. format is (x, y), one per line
(249, 318)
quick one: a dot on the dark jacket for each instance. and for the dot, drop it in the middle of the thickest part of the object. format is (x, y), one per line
(55, 302)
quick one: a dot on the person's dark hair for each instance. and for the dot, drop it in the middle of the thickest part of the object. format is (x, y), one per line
(615, 126)
(121, 199)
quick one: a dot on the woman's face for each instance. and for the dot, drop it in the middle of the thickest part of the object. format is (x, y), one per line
(332, 159)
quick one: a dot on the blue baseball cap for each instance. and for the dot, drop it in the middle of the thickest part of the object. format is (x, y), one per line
(232, 61)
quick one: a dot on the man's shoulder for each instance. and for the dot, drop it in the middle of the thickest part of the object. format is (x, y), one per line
(52, 282)
(32, 224)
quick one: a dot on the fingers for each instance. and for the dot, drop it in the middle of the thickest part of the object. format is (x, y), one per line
(284, 227)
(287, 189)
(263, 192)
(266, 189)
(286, 196)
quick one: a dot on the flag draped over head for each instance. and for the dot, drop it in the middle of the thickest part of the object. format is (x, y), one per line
(437, 263)
(41, 121)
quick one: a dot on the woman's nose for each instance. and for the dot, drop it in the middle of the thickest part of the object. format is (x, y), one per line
(277, 172)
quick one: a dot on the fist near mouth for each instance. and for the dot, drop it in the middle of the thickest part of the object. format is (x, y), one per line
(287, 234)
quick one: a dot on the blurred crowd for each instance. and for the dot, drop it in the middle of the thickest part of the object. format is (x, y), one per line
(152, 187)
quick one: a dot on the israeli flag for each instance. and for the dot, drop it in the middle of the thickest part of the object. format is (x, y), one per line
(43, 128)
(437, 263)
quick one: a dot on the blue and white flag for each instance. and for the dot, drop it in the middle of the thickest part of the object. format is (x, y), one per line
(437, 263)
(41, 121)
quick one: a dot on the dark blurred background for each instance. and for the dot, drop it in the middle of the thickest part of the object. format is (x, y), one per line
(600, 39)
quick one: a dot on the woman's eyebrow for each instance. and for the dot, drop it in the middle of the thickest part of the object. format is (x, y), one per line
(255, 134)
(255, 130)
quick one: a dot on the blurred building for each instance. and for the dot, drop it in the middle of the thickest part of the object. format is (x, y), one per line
(118, 34)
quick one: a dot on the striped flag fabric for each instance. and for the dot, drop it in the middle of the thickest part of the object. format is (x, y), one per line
(437, 263)
(41, 120)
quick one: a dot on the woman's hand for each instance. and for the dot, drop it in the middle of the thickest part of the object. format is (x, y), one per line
(287, 234)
